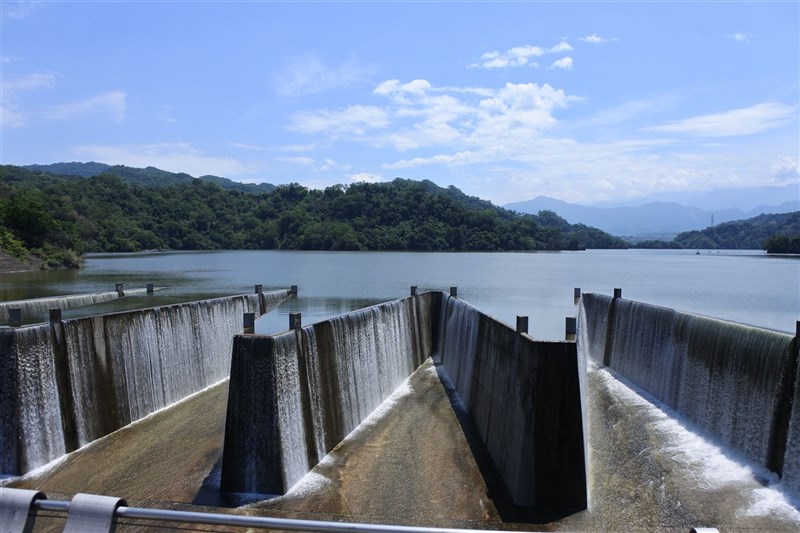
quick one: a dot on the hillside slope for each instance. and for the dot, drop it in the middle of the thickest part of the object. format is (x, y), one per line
(105, 213)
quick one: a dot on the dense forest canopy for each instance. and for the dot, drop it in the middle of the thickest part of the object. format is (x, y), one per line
(62, 217)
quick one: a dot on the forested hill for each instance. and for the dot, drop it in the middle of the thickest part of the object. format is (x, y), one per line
(145, 177)
(105, 213)
(777, 233)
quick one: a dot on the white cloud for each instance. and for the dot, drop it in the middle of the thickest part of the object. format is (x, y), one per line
(366, 177)
(12, 90)
(740, 37)
(564, 62)
(174, 157)
(745, 121)
(327, 164)
(595, 39)
(299, 160)
(247, 146)
(518, 56)
(309, 75)
(353, 120)
(111, 103)
(563, 46)
(17, 10)
(421, 115)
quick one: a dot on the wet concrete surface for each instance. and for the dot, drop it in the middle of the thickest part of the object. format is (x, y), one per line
(410, 464)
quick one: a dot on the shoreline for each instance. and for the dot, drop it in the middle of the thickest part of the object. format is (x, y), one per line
(12, 265)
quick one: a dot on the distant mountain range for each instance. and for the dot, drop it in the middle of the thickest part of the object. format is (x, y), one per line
(653, 220)
(146, 177)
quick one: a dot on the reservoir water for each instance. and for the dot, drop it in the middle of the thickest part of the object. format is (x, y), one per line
(743, 286)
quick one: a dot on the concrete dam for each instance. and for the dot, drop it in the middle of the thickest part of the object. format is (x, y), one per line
(68, 383)
(293, 398)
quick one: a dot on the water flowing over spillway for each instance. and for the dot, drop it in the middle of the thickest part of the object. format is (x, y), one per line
(734, 381)
(318, 383)
(39, 307)
(295, 396)
(65, 384)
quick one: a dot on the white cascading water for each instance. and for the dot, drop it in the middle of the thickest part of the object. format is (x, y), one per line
(40, 307)
(290, 408)
(41, 432)
(120, 368)
(725, 377)
(370, 353)
(458, 345)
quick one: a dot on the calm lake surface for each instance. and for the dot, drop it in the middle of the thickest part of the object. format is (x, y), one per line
(742, 286)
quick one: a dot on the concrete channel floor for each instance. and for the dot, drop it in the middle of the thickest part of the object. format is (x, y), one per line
(409, 465)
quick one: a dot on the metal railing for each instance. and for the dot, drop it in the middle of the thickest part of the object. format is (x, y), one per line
(89, 513)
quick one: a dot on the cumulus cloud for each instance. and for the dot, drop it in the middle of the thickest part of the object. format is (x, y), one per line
(174, 157)
(309, 75)
(112, 104)
(353, 120)
(518, 56)
(564, 62)
(595, 39)
(745, 121)
(366, 177)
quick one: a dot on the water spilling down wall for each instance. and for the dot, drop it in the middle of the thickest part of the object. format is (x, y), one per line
(734, 381)
(294, 396)
(39, 307)
(65, 384)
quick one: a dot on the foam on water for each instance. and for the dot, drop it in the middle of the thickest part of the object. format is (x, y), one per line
(697, 459)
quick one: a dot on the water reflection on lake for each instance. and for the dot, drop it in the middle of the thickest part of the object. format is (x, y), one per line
(748, 287)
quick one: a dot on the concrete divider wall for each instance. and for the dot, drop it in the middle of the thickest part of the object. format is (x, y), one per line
(294, 396)
(524, 399)
(65, 384)
(739, 383)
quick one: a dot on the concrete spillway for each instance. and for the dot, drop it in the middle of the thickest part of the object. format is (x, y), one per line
(65, 384)
(294, 396)
(734, 381)
(39, 307)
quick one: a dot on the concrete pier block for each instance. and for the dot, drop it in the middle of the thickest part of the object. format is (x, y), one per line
(576, 294)
(249, 323)
(150, 288)
(293, 290)
(259, 289)
(55, 315)
(295, 321)
(15, 316)
(119, 289)
(454, 292)
(522, 324)
(414, 290)
(617, 293)
(570, 328)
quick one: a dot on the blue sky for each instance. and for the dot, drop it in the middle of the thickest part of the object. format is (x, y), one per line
(582, 101)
